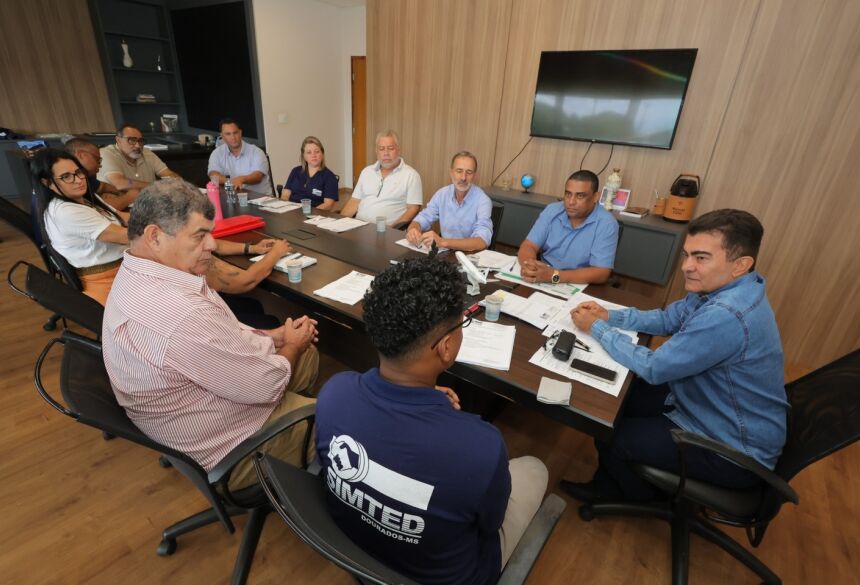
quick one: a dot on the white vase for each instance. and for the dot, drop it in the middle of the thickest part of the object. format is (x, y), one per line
(613, 181)
(126, 58)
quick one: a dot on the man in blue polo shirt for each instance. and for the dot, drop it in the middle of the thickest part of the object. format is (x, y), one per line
(415, 482)
(462, 209)
(246, 164)
(575, 239)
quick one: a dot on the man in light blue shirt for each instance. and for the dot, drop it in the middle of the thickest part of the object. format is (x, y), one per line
(720, 375)
(462, 209)
(246, 164)
(576, 238)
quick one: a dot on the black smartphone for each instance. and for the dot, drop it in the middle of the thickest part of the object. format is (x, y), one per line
(564, 345)
(594, 371)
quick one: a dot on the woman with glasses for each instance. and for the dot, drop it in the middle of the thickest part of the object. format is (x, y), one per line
(90, 234)
(312, 179)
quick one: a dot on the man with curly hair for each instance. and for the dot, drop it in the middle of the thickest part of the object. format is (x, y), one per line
(414, 481)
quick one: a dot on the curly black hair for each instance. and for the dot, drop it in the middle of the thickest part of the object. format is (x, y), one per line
(410, 301)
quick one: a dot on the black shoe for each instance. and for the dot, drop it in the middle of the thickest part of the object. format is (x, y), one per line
(586, 493)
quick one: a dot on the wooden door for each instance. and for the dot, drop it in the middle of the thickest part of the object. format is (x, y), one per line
(359, 116)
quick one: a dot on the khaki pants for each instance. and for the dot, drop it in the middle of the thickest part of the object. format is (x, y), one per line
(98, 285)
(529, 479)
(288, 444)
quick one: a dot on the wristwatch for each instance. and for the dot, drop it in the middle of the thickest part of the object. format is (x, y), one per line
(247, 247)
(556, 277)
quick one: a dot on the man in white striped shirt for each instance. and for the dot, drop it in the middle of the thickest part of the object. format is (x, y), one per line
(189, 374)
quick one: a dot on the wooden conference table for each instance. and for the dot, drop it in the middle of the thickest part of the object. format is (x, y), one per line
(342, 331)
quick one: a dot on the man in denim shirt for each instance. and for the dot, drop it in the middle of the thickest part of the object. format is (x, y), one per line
(720, 375)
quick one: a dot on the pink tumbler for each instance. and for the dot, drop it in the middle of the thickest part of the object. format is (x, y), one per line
(215, 197)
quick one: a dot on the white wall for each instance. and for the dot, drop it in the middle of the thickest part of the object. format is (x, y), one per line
(303, 50)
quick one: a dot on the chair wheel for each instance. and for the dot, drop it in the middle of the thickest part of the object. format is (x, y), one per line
(586, 513)
(164, 462)
(49, 326)
(166, 547)
(107, 436)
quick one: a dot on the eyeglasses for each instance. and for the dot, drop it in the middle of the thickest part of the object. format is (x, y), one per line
(465, 323)
(134, 140)
(70, 177)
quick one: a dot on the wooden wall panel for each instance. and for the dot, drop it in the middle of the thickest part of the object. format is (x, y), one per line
(789, 153)
(718, 29)
(433, 76)
(51, 77)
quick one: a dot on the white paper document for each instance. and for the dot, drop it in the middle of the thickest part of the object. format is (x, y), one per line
(275, 205)
(554, 391)
(423, 249)
(562, 319)
(493, 260)
(538, 310)
(543, 358)
(282, 263)
(347, 289)
(487, 344)
(333, 224)
(564, 290)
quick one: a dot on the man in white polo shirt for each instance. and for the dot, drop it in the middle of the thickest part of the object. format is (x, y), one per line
(389, 188)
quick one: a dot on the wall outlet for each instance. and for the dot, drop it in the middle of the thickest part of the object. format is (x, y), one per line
(282, 118)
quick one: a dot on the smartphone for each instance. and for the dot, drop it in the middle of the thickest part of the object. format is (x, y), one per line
(594, 371)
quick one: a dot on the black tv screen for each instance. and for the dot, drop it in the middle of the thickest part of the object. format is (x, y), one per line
(617, 97)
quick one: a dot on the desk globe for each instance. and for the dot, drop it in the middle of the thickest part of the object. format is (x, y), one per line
(527, 181)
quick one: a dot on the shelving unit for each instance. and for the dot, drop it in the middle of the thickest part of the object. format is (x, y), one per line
(144, 26)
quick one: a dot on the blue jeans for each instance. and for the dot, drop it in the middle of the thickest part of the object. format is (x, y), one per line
(642, 435)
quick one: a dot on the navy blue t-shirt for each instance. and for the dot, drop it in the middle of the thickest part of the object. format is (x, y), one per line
(323, 185)
(415, 483)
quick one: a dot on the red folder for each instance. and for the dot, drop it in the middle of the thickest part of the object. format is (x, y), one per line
(237, 224)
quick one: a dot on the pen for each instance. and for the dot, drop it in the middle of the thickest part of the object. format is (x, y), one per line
(582, 345)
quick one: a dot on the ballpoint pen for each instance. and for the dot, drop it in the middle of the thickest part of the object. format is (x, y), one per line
(582, 345)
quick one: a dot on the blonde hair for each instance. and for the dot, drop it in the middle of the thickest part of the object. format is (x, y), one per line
(305, 142)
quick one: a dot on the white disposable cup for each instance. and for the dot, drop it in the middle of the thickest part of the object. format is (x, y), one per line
(294, 270)
(380, 224)
(243, 198)
(492, 307)
(306, 206)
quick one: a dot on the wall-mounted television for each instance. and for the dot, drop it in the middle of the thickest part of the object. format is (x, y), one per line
(616, 97)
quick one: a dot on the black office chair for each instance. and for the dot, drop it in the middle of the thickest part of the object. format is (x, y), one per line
(54, 294)
(89, 399)
(300, 499)
(824, 417)
(614, 281)
(496, 217)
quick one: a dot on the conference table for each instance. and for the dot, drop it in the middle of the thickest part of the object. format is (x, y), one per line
(342, 335)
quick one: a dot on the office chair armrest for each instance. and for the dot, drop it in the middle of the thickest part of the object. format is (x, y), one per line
(66, 337)
(221, 472)
(10, 276)
(686, 439)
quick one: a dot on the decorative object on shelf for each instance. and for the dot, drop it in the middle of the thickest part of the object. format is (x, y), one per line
(613, 184)
(507, 182)
(152, 126)
(621, 199)
(158, 66)
(606, 197)
(659, 203)
(169, 123)
(527, 181)
(682, 199)
(205, 139)
(126, 58)
(637, 212)
(145, 98)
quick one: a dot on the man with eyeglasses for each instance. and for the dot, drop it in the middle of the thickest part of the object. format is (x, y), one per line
(462, 209)
(128, 165)
(389, 188)
(90, 157)
(419, 484)
(573, 240)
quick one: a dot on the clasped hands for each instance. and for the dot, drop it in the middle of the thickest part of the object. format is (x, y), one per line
(264, 246)
(536, 271)
(299, 333)
(585, 314)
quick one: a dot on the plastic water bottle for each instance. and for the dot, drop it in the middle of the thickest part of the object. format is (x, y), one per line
(215, 197)
(230, 191)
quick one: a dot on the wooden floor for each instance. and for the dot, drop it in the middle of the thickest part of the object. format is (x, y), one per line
(78, 509)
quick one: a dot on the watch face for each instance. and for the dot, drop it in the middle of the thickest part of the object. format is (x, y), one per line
(555, 278)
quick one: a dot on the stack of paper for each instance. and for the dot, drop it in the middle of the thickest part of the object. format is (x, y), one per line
(538, 310)
(563, 321)
(493, 260)
(545, 359)
(348, 289)
(275, 205)
(423, 249)
(487, 344)
(282, 263)
(564, 290)
(336, 225)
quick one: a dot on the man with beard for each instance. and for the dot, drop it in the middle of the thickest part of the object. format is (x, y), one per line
(389, 188)
(128, 165)
(462, 209)
(573, 240)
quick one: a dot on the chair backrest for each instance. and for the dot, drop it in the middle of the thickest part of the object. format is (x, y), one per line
(89, 399)
(300, 499)
(61, 298)
(18, 219)
(496, 217)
